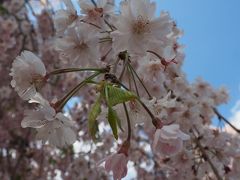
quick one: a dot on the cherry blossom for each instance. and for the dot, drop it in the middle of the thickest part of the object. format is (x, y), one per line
(137, 27)
(80, 45)
(65, 17)
(51, 126)
(117, 163)
(96, 13)
(168, 141)
(28, 74)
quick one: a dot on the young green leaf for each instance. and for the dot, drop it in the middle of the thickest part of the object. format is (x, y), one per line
(117, 95)
(119, 123)
(92, 116)
(112, 119)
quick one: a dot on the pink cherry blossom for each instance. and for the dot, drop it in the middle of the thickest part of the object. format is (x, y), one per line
(168, 141)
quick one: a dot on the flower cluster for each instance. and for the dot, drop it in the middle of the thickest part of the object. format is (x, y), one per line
(29, 74)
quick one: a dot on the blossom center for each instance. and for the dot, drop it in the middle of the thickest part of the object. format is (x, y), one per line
(133, 106)
(140, 26)
(72, 17)
(81, 46)
(38, 80)
(95, 13)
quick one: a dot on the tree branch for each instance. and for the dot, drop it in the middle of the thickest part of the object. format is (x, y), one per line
(206, 157)
(221, 117)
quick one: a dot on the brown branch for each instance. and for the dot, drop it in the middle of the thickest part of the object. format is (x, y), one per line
(221, 117)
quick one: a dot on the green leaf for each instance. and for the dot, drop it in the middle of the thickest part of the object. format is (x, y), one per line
(92, 118)
(117, 95)
(112, 119)
(119, 123)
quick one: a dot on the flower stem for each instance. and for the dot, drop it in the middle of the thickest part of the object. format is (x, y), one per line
(130, 66)
(128, 122)
(60, 104)
(148, 111)
(154, 120)
(91, 24)
(134, 80)
(67, 70)
(156, 54)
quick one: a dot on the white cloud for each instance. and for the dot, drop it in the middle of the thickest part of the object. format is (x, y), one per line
(235, 118)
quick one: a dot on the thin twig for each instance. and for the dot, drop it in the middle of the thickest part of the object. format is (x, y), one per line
(205, 155)
(60, 104)
(31, 8)
(221, 117)
(94, 3)
(134, 81)
(83, 21)
(145, 88)
(148, 110)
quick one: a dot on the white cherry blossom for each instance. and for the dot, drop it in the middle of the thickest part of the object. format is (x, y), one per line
(137, 27)
(52, 127)
(28, 73)
(65, 17)
(96, 14)
(80, 45)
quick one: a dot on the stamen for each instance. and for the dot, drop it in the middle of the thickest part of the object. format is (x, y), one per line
(81, 46)
(38, 80)
(141, 26)
(95, 13)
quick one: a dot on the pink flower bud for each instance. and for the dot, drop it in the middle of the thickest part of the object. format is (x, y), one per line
(117, 163)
